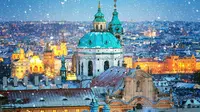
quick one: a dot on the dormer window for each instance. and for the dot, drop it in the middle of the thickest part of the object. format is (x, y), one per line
(64, 99)
(42, 99)
(18, 101)
(87, 99)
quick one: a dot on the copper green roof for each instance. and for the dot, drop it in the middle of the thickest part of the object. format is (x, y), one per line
(115, 20)
(63, 63)
(99, 16)
(99, 40)
(115, 26)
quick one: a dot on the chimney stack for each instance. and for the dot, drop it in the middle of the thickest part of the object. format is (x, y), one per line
(15, 82)
(5, 82)
(25, 80)
(36, 80)
(46, 81)
(57, 80)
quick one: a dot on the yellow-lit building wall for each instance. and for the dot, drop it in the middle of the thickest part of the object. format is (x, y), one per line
(71, 76)
(1, 59)
(20, 68)
(197, 65)
(58, 109)
(49, 60)
(60, 50)
(19, 54)
(150, 67)
(128, 61)
(172, 64)
(36, 65)
(57, 66)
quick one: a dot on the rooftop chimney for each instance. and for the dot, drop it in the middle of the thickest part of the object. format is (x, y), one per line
(15, 82)
(5, 83)
(36, 80)
(25, 80)
(57, 80)
(46, 81)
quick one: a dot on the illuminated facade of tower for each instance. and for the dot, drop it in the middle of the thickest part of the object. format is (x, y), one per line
(60, 50)
(20, 65)
(48, 60)
(18, 54)
(36, 65)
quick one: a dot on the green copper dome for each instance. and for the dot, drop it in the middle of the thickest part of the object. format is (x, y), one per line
(115, 20)
(115, 26)
(99, 16)
(99, 40)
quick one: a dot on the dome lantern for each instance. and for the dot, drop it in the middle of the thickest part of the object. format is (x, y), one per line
(99, 20)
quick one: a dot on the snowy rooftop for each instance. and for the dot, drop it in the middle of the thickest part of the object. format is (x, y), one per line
(110, 77)
(48, 98)
(184, 85)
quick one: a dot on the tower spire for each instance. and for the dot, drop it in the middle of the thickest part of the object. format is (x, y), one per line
(115, 4)
(99, 5)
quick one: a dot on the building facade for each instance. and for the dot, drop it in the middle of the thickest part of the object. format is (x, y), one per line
(172, 64)
(98, 50)
(49, 60)
(36, 65)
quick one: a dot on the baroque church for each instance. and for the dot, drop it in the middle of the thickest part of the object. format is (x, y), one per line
(101, 48)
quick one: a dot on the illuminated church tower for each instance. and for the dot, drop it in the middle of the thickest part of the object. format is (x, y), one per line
(115, 26)
(63, 45)
(97, 50)
(60, 50)
(48, 60)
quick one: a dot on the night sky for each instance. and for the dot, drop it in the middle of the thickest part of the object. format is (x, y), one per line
(84, 10)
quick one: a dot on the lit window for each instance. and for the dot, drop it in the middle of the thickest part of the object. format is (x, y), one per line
(54, 110)
(66, 110)
(42, 111)
(77, 110)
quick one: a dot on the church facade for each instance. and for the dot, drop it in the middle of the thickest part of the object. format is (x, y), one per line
(98, 50)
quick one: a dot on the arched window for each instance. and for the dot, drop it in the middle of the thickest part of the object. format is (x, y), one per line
(40, 69)
(97, 27)
(79, 67)
(118, 63)
(106, 65)
(35, 69)
(90, 68)
(101, 27)
(138, 86)
(82, 69)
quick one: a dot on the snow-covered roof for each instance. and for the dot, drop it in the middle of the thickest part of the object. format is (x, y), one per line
(192, 102)
(110, 77)
(48, 98)
(184, 85)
